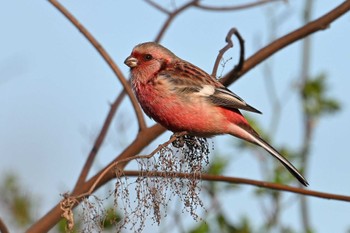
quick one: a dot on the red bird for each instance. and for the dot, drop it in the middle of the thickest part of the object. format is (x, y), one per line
(182, 97)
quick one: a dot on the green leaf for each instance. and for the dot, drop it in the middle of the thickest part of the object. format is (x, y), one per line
(201, 228)
(111, 218)
(315, 100)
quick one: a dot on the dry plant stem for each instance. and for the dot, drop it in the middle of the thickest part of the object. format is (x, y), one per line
(143, 139)
(232, 8)
(234, 180)
(171, 16)
(229, 45)
(223, 51)
(114, 166)
(99, 140)
(158, 7)
(107, 58)
(307, 119)
(314, 26)
(3, 228)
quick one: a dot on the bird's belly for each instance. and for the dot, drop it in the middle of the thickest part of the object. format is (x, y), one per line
(178, 114)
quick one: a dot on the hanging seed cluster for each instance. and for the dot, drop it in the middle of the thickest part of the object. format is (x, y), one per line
(187, 155)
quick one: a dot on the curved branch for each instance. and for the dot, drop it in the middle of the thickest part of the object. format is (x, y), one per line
(3, 228)
(144, 138)
(107, 58)
(306, 30)
(229, 45)
(232, 8)
(113, 166)
(236, 180)
(99, 140)
(171, 17)
(158, 7)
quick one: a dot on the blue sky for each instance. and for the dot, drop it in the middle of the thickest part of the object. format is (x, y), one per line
(55, 92)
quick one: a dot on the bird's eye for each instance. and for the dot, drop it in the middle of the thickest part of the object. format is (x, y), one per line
(148, 57)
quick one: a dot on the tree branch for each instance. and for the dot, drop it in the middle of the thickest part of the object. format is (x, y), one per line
(114, 166)
(236, 180)
(158, 7)
(229, 45)
(3, 228)
(306, 30)
(144, 138)
(232, 8)
(223, 51)
(99, 140)
(171, 17)
(107, 58)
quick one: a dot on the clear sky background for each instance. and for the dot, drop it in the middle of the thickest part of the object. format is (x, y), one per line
(55, 92)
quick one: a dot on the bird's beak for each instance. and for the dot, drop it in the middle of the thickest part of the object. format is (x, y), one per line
(131, 62)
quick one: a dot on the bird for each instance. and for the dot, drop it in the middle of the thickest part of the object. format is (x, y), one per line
(183, 98)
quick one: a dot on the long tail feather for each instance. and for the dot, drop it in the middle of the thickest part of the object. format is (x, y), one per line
(282, 159)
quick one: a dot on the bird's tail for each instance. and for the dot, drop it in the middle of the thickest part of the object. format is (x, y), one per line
(259, 141)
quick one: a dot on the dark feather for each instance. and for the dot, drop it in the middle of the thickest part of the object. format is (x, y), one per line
(226, 98)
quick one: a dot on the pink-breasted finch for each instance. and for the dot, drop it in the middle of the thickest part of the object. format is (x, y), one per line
(182, 97)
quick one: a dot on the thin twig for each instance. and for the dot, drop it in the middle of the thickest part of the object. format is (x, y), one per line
(143, 139)
(121, 161)
(3, 228)
(229, 44)
(235, 180)
(307, 119)
(107, 58)
(306, 30)
(238, 67)
(99, 140)
(233, 8)
(171, 17)
(158, 7)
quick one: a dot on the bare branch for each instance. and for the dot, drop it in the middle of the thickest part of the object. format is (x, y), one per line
(3, 228)
(233, 8)
(159, 7)
(114, 166)
(107, 58)
(144, 138)
(229, 45)
(306, 30)
(236, 180)
(99, 140)
(171, 17)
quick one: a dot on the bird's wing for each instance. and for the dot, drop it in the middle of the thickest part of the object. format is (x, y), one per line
(186, 78)
(226, 98)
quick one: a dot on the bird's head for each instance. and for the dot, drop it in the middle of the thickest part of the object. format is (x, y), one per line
(148, 59)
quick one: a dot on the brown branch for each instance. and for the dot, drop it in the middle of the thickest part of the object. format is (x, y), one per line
(232, 8)
(229, 45)
(235, 180)
(143, 139)
(158, 7)
(114, 166)
(306, 30)
(223, 51)
(99, 140)
(107, 58)
(3, 228)
(171, 17)
(307, 119)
